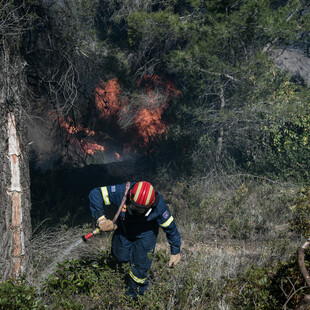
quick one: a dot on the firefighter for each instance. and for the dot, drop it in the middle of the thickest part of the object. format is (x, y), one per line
(137, 228)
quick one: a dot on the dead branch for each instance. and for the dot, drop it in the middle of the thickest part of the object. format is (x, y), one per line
(305, 303)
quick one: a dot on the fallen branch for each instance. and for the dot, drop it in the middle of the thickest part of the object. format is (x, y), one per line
(305, 303)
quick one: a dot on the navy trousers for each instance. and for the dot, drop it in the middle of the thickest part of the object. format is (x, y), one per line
(138, 252)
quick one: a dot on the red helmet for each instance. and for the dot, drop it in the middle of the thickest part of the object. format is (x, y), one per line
(142, 194)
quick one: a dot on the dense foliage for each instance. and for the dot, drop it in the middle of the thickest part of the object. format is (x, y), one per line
(18, 294)
(301, 211)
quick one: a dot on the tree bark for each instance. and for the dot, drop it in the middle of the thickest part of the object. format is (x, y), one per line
(15, 222)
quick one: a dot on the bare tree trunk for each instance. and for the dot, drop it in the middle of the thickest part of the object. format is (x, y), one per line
(15, 222)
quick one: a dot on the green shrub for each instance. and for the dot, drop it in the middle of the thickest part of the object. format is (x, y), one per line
(252, 290)
(301, 213)
(99, 280)
(18, 294)
(269, 287)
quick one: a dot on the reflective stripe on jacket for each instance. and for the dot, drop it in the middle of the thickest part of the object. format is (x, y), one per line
(133, 225)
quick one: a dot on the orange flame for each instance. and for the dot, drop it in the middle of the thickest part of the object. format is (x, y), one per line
(118, 156)
(149, 123)
(91, 148)
(70, 128)
(107, 98)
(148, 120)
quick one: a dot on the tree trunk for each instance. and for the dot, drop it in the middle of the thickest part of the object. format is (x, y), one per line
(15, 222)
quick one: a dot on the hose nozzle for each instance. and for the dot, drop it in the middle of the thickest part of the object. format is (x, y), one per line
(91, 234)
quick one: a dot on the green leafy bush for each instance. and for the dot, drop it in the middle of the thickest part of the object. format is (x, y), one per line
(269, 287)
(284, 140)
(252, 290)
(301, 213)
(97, 278)
(18, 294)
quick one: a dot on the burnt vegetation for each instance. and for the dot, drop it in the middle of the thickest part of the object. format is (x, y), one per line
(185, 94)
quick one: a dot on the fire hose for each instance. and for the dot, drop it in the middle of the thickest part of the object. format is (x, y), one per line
(97, 230)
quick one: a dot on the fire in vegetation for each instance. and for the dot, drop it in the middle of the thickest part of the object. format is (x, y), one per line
(91, 148)
(77, 130)
(71, 128)
(118, 156)
(138, 118)
(107, 96)
(143, 113)
(149, 123)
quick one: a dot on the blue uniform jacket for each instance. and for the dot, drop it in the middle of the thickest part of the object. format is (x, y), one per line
(133, 226)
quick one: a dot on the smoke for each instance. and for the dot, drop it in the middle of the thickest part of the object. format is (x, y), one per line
(42, 146)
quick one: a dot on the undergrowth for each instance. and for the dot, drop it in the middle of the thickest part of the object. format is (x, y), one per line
(272, 287)
(245, 210)
(239, 252)
(100, 284)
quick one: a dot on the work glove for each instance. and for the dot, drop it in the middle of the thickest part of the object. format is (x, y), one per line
(174, 259)
(105, 225)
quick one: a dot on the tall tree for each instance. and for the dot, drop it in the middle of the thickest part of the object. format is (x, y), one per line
(43, 48)
(15, 224)
(227, 74)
